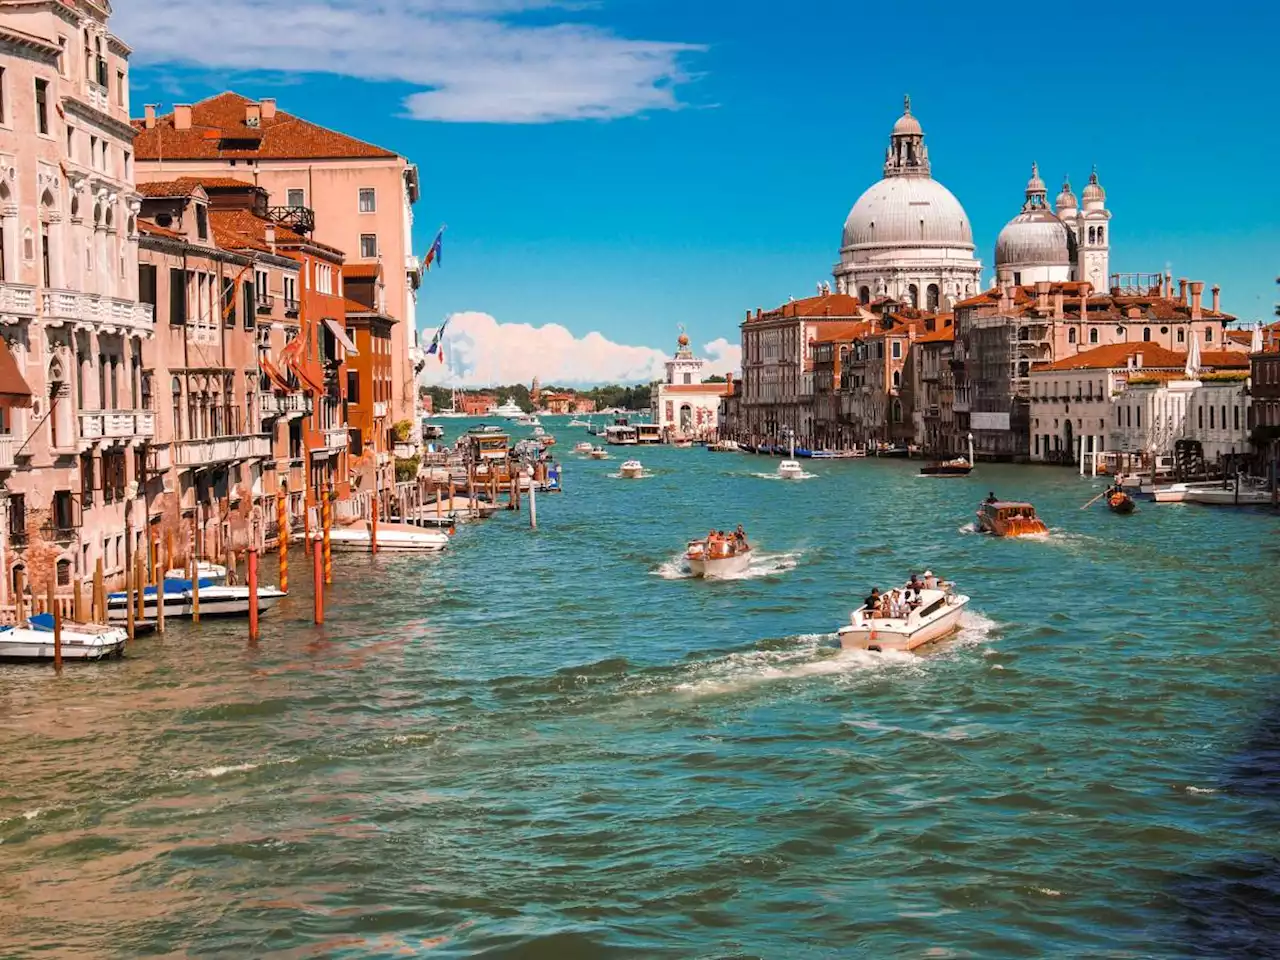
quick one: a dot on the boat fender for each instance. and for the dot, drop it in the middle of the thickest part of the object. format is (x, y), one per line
(874, 648)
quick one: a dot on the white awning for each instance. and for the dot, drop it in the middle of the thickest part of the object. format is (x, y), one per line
(341, 336)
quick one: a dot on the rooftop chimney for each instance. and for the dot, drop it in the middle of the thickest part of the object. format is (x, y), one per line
(149, 112)
(269, 234)
(1086, 288)
(1217, 292)
(1182, 290)
(1137, 360)
(1042, 295)
(252, 115)
(1168, 285)
(182, 116)
(268, 105)
(1057, 304)
(1197, 291)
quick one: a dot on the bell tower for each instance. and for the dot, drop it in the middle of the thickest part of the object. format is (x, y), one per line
(1093, 235)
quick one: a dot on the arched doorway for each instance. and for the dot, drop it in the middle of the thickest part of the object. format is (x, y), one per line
(1068, 442)
(686, 418)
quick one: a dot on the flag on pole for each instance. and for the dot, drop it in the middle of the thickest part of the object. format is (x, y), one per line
(437, 346)
(434, 254)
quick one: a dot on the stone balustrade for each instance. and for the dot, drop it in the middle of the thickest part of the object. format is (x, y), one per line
(194, 453)
(17, 301)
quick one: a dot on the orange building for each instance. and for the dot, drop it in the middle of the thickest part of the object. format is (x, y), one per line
(369, 373)
(478, 404)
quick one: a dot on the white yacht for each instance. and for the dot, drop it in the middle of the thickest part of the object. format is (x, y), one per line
(511, 410)
(392, 538)
(937, 615)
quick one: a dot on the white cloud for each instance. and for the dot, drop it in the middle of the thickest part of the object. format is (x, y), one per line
(722, 356)
(474, 60)
(479, 351)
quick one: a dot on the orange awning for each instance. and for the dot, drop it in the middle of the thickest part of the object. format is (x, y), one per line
(14, 391)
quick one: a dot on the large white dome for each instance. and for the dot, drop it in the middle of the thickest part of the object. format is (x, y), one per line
(907, 211)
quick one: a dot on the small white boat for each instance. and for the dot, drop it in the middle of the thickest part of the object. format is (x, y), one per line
(683, 444)
(80, 641)
(1229, 496)
(724, 446)
(397, 537)
(1177, 492)
(583, 446)
(936, 616)
(632, 470)
(790, 470)
(720, 560)
(599, 453)
(179, 600)
(204, 571)
(575, 422)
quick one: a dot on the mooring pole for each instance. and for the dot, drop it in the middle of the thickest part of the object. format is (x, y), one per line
(317, 577)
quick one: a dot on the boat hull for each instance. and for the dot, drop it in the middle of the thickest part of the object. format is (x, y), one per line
(945, 470)
(1228, 497)
(214, 602)
(390, 540)
(790, 470)
(22, 645)
(632, 473)
(902, 636)
(720, 568)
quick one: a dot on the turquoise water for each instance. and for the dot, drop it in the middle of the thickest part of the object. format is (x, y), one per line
(553, 744)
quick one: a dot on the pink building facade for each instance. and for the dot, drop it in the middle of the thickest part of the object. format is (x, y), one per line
(69, 464)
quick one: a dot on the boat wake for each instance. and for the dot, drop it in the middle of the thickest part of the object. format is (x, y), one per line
(644, 475)
(803, 475)
(762, 565)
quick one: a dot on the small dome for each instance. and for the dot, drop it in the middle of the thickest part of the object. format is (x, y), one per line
(1035, 184)
(1066, 199)
(1034, 238)
(907, 125)
(907, 211)
(1093, 193)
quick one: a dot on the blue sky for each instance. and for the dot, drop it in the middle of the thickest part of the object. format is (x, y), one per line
(698, 159)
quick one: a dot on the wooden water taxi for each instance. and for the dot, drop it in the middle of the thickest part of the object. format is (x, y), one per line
(718, 558)
(1007, 518)
(959, 467)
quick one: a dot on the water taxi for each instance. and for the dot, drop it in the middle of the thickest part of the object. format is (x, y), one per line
(599, 453)
(1007, 518)
(959, 467)
(934, 616)
(80, 641)
(632, 470)
(620, 434)
(392, 538)
(582, 446)
(790, 470)
(178, 597)
(648, 433)
(715, 559)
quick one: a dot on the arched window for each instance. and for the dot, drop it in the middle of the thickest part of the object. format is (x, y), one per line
(1093, 334)
(933, 297)
(913, 295)
(1093, 234)
(1071, 335)
(1146, 334)
(177, 408)
(1122, 333)
(864, 294)
(897, 411)
(64, 572)
(1211, 418)
(1100, 235)
(1200, 417)
(75, 206)
(897, 378)
(28, 245)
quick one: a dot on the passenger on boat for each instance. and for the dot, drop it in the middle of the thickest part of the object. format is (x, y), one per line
(872, 603)
(991, 497)
(930, 581)
(740, 538)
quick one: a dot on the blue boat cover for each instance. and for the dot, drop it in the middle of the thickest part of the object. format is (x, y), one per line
(170, 586)
(41, 621)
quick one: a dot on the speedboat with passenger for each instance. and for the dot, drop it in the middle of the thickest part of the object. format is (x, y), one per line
(582, 446)
(715, 558)
(932, 613)
(1009, 518)
(632, 470)
(790, 470)
(599, 453)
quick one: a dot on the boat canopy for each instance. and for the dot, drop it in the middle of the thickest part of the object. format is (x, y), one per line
(41, 621)
(170, 586)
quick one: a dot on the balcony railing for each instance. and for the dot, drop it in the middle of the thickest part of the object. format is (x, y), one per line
(266, 303)
(290, 307)
(379, 408)
(113, 316)
(335, 439)
(17, 300)
(290, 405)
(7, 446)
(117, 425)
(190, 453)
(300, 219)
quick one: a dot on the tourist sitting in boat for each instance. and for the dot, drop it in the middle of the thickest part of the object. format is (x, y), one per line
(991, 497)
(872, 603)
(930, 581)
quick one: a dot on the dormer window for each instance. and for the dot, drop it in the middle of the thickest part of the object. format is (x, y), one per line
(202, 222)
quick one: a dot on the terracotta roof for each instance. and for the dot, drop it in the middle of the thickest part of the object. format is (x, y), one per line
(842, 331)
(945, 335)
(241, 229)
(834, 305)
(362, 271)
(1224, 358)
(182, 187)
(1101, 306)
(218, 130)
(1117, 355)
(723, 389)
(155, 230)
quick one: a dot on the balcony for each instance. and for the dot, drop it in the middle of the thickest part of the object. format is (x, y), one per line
(266, 303)
(202, 453)
(335, 439)
(379, 408)
(403, 451)
(117, 425)
(290, 405)
(17, 301)
(300, 219)
(7, 447)
(110, 315)
(290, 307)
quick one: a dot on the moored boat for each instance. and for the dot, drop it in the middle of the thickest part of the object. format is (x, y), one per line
(724, 446)
(214, 572)
(80, 641)
(1008, 518)
(632, 470)
(1229, 496)
(934, 616)
(719, 557)
(178, 597)
(392, 537)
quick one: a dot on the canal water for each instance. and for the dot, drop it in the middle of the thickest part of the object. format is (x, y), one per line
(555, 744)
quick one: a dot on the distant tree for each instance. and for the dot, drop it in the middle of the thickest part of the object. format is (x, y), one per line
(715, 379)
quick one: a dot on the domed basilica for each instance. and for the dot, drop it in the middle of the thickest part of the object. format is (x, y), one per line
(1069, 242)
(907, 237)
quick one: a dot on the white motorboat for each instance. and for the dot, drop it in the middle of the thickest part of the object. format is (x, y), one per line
(530, 420)
(392, 537)
(582, 446)
(575, 422)
(723, 446)
(216, 600)
(599, 453)
(205, 571)
(719, 560)
(511, 410)
(80, 641)
(683, 444)
(1229, 496)
(936, 616)
(632, 470)
(790, 470)
(1177, 492)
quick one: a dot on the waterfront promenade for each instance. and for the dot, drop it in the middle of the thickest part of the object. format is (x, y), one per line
(553, 744)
